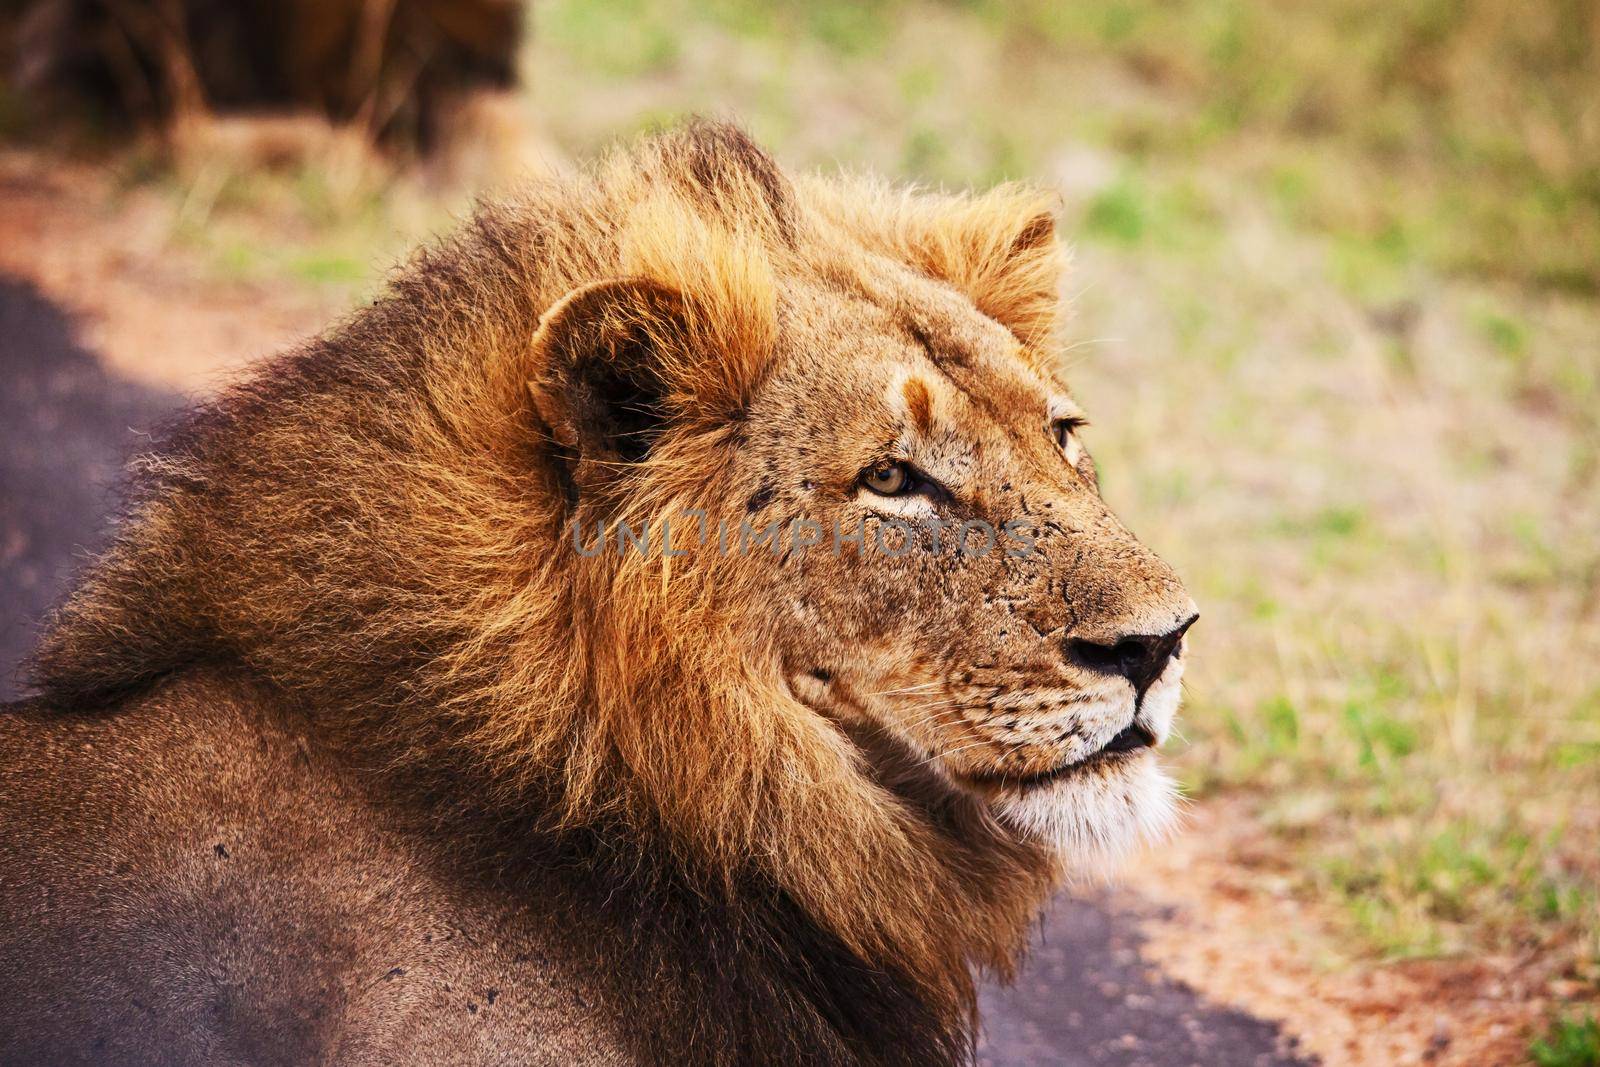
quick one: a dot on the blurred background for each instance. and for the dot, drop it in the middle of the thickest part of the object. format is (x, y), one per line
(1337, 288)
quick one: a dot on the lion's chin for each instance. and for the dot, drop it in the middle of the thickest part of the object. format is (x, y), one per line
(1094, 820)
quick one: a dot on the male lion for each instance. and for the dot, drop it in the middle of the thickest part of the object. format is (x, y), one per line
(358, 746)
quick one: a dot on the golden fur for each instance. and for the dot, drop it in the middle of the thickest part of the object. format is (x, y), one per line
(380, 523)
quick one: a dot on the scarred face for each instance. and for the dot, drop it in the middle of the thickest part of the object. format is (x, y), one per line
(969, 594)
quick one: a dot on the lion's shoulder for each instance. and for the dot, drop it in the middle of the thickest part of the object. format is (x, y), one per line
(233, 883)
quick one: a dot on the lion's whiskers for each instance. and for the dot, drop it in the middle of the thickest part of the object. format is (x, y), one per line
(907, 689)
(947, 753)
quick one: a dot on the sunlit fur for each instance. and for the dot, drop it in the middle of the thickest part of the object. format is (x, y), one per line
(378, 523)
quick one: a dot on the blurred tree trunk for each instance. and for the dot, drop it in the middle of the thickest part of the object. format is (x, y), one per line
(393, 68)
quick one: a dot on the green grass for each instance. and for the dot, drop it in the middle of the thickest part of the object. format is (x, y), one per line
(1570, 1043)
(1468, 128)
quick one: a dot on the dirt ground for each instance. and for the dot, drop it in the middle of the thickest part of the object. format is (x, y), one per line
(1198, 954)
(1224, 922)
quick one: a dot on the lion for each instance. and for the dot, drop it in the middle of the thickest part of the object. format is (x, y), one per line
(360, 744)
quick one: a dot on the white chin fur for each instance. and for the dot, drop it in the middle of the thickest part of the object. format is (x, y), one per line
(1094, 820)
(1160, 704)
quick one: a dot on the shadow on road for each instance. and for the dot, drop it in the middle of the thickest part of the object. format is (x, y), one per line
(66, 427)
(1086, 999)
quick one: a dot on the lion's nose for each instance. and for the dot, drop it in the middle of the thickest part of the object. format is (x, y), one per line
(1140, 658)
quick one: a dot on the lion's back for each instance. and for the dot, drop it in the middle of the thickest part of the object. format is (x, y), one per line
(189, 864)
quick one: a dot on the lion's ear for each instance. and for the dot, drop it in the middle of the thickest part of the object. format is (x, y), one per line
(616, 363)
(601, 385)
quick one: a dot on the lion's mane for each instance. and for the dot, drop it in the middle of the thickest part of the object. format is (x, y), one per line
(374, 522)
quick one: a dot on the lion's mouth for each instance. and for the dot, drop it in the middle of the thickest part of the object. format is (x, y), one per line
(1132, 740)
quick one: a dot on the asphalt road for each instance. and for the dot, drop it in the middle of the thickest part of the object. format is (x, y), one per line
(1084, 999)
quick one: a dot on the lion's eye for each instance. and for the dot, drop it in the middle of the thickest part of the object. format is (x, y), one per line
(1061, 430)
(1064, 432)
(887, 479)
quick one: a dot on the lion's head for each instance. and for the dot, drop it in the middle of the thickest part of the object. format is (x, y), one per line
(939, 678)
(893, 459)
